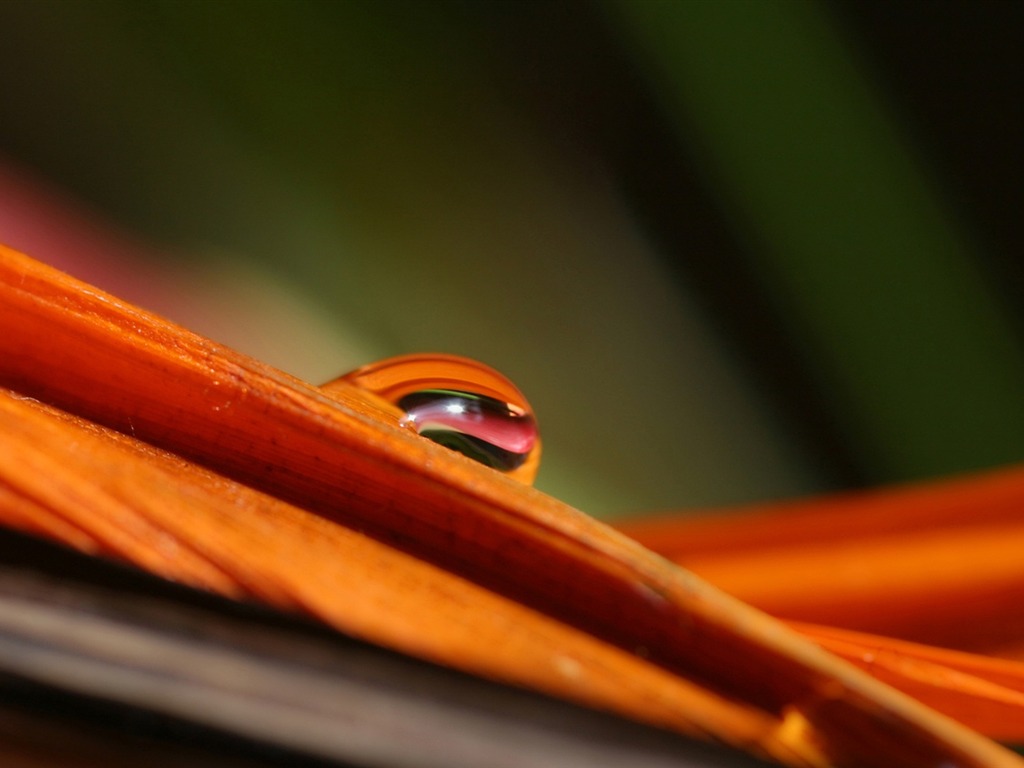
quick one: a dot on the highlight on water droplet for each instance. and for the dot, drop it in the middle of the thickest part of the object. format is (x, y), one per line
(461, 404)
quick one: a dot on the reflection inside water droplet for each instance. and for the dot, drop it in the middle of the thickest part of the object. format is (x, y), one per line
(482, 428)
(461, 404)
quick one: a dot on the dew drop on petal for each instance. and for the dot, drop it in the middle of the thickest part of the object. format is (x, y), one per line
(460, 404)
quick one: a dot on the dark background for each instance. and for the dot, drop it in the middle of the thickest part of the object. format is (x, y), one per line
(732, 251)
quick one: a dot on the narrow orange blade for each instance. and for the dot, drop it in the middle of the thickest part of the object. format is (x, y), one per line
(105, 493)
(938, 563)
(342, 458)
(983, 693)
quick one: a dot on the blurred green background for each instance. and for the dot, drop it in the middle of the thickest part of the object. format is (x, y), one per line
(732, 250)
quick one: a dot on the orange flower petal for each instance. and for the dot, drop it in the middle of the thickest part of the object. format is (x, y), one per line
(342, 458)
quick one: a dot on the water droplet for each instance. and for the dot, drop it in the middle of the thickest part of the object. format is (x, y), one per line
(461, 404)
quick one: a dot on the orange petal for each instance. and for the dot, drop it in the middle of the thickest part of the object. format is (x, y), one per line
(983, 693)
(107, 494)
(937, 563)
(342, 458)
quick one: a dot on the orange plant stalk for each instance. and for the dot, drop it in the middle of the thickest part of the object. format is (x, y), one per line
(340, 459)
